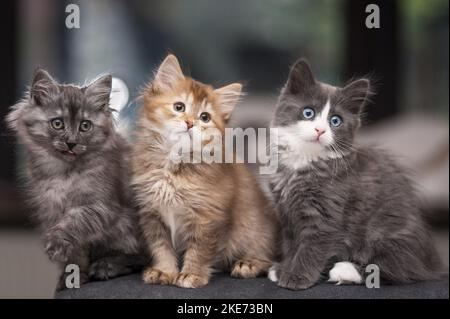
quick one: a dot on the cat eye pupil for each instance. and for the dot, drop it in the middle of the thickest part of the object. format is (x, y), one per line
(57, 124)
(179, 107)
(308, 113)
(85, 126)
(336, 121)
(205, 117)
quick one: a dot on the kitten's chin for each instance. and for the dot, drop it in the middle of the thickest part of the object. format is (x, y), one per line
(68, 156)
(320, 142)
(302, 153)
(314, 146)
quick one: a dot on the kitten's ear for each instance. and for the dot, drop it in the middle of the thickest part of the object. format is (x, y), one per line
(229, 96)
(300, 77)
(356, 94)
(99, 91)
(43, 87)
(169, 73)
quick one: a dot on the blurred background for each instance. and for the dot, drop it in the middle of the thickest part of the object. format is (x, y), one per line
(218, 42)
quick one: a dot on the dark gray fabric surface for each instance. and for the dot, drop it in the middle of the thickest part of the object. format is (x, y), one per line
(223, 286)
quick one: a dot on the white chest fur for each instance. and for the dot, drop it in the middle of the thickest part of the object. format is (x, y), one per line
(172, 216)
(162, 192)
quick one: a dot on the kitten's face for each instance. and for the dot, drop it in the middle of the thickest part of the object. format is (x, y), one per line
(66, 120)
(176, 105)
(316, 120)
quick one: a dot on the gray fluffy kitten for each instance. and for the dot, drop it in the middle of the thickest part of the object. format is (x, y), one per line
(78, 176)
(342, 206)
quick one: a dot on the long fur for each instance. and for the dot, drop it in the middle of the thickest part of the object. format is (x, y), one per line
(356, 204)
(82, 200)
(208, 216)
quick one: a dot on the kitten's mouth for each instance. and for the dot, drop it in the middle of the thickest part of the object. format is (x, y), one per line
(315, 141)
(68, 153)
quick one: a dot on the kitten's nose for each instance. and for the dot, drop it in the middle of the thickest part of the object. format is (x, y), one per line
(319, 131)
(189, 124)
(71, 145)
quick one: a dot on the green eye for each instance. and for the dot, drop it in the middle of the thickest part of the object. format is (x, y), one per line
(179, 107)
(57, 124)
(205, 117)
(85, 126)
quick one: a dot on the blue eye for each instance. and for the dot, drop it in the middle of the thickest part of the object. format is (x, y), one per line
(308, 113)
(336, 121)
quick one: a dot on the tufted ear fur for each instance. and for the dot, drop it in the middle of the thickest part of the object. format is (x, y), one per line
(43, 87)
(356, 94)
(300, 77)
(169, 73)
(99, 91)
(229, 96)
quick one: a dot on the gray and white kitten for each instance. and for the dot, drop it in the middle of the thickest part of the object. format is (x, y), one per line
(78, 176)
(342, 206)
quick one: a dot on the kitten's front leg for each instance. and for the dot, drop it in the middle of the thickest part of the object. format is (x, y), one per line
(78, 226)
(199, 257)
(303, 264)
(164, 268)
(292, 279)
(58, 244)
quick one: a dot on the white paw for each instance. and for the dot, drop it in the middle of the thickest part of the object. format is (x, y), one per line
(272, 274)
(344, 273)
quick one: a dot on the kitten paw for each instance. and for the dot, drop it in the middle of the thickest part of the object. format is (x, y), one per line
(293, 282)
(272, 274)
(186, 280)
(58, 247)
(155, 276)
(247, 269)
(105, 269)
(344, 273)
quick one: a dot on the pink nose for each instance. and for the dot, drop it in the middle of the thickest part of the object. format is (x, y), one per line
(189, 124)
(320, 131)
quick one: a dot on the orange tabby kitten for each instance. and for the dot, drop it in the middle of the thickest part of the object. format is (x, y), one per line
(209, 216)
